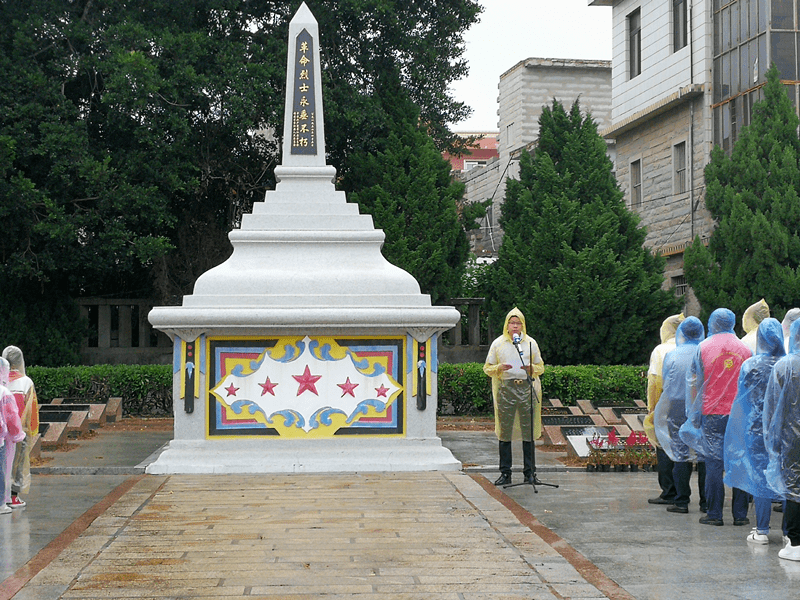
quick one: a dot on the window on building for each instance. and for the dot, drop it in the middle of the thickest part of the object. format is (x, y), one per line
(679, 25)
(679, 285)
(783, 14)
(471, 164)
(636, 184)
(635, 43)
(679, 161)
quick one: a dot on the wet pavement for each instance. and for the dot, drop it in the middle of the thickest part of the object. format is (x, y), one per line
(96, 527)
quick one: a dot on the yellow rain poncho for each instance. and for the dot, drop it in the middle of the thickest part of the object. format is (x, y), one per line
(512, 418)
(655, 382)
(751, 319)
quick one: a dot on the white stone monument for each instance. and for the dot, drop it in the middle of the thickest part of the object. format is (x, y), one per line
(306, 351)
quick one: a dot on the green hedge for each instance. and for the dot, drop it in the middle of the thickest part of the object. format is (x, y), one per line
(146, 390)
(464, 389)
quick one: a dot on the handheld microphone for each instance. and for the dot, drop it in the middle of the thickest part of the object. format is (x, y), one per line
(516, 339)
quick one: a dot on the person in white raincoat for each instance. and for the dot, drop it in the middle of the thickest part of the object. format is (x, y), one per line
(28, 406)
(511, 392)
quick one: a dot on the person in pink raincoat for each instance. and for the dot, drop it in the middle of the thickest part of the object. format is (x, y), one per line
(13, 434)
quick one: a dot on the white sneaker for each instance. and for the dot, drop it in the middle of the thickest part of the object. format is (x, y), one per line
(758, 538)
(790, 553)
(4, 509)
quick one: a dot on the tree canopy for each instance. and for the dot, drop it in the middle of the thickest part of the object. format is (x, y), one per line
(572, 257)
(406, 185)
(754, 252)
(133, 135)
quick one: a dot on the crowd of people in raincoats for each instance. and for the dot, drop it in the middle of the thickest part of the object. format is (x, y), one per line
(19, 423)
(732, 407)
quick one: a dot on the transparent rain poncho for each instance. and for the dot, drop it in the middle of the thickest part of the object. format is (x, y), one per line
(782, 422)
(791, 316)
(670, 411)
(502, 351)
(711, 385)
(751, 319)
(745, 454)
(655, 381)
(8, 407)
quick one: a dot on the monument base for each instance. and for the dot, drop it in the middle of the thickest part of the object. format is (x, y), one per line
(303, 456)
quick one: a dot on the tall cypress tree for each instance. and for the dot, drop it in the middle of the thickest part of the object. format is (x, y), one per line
(753, 196)
(406, 185)
(572, 257)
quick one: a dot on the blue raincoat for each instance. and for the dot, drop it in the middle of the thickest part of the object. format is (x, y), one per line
(782, 421)
(745, 454)
(670, 412)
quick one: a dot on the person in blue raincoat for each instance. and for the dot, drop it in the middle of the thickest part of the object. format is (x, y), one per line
(711, 388)
(670, 414)
(745, 454)
(782, 439)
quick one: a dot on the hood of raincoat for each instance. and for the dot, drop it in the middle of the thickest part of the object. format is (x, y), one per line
(791, 316)
(690, 332)
(4, 369)
(670, 326)
(15, 359)
(514, 312)
(721, 320)
(794, 338)
(754, 315)
(770, 338)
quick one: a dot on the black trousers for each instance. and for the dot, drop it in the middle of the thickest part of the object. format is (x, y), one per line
(505, 458)
(666, 480)
(791, 518)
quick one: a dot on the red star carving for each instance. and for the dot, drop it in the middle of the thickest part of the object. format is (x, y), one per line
(382, 391)
(348, 388)
(268, 387)
(231, 390)
(307, 381)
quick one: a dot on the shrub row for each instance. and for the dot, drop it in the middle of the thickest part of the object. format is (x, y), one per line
(146, 390)
(464, 389)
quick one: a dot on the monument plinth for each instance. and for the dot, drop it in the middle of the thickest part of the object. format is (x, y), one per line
(306, 351)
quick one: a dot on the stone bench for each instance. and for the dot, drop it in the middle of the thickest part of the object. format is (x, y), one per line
(52, 434)
(76, 421)
(96, 412)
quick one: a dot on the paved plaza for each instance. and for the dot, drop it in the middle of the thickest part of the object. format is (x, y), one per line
(97, 527)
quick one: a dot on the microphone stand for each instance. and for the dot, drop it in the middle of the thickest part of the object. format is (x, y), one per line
(533, 480)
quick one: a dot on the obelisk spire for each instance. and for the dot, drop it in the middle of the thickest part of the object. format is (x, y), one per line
(303, 123)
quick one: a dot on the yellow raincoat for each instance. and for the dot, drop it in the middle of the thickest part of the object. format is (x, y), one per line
(655, 382)
(751, 319)
(502, 351)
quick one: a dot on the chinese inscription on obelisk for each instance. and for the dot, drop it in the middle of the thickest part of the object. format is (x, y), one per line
(304, 135)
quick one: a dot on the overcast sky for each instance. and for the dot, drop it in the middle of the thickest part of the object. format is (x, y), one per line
(513, 30)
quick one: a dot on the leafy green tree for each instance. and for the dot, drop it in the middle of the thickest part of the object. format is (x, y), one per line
(407, 187)
(572, 257)
(132, 133)
(753, 196)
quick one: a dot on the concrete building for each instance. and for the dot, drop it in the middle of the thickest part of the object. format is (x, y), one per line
(522, 92)
(685, 75)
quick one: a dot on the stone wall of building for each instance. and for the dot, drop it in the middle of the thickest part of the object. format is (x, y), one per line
(667, 214)
(481, 184)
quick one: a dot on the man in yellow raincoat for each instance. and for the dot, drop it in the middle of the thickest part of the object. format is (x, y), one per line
(514, 363)
(655, 386)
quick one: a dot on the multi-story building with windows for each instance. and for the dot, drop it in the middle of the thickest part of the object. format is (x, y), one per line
(685, 76)
(523, 91)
